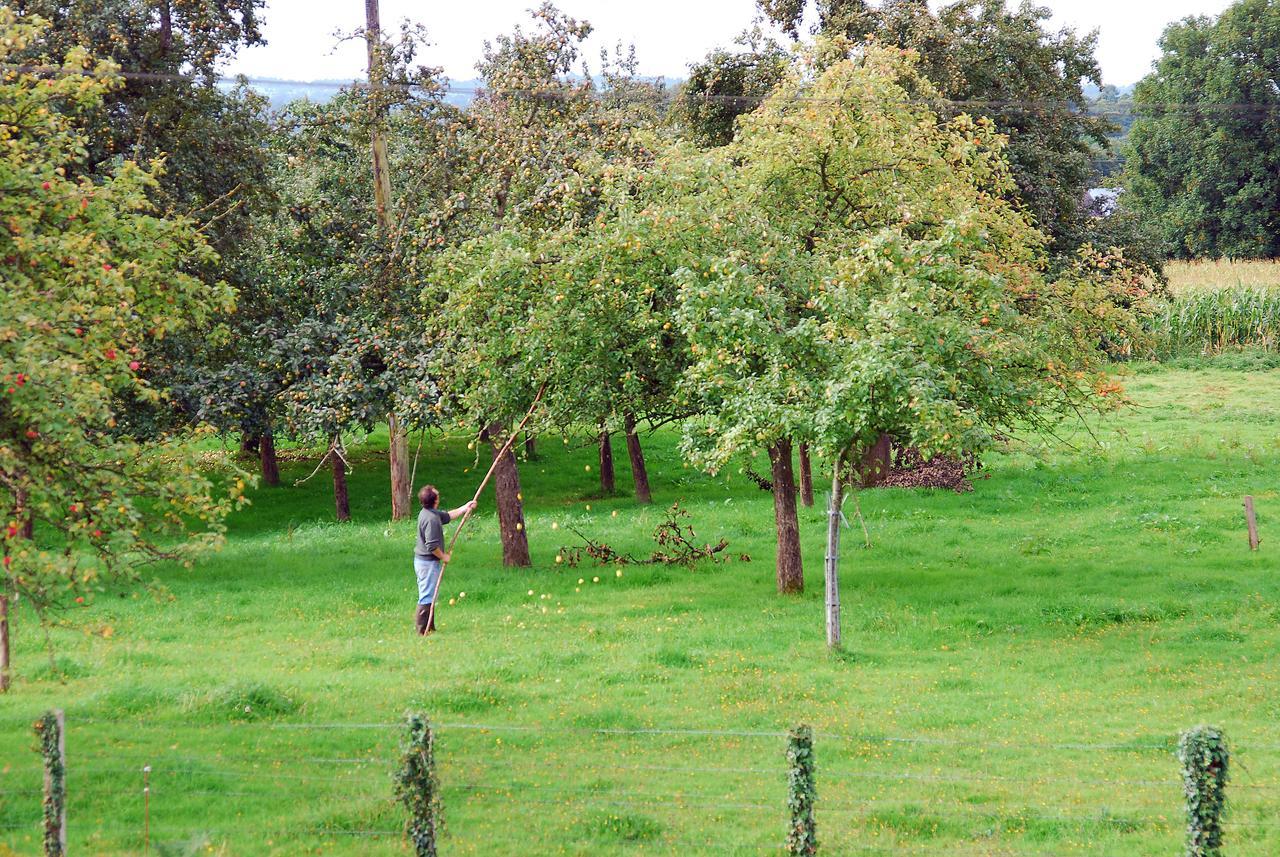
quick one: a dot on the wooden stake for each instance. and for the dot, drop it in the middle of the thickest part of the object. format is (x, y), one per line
(55, 790)
(1251, 520)
(831, 568)
(146, 809)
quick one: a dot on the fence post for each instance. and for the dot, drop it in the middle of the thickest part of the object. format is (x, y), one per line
(1251, 523)
(50, 729)
(802, 837)
(146, 809)
(418, 788)
(1204, 757)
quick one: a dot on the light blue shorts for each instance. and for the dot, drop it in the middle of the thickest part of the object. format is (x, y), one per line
(428, 571)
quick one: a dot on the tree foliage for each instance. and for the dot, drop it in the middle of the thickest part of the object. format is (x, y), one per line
(1002, 64)
(1203, 162)
(93, 279)
(863, 271)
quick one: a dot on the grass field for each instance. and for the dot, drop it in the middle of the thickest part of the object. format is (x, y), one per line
(1210, 275)
(1018, 663)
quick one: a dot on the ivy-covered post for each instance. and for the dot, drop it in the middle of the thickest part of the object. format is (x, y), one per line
(418, 788)
(1204, 757)
(802, 836)
(49, 729)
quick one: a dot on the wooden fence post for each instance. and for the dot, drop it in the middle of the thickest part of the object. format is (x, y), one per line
(802, 835)
(1205, 758)
(1251, 520)
(418, 788)
(51, 729)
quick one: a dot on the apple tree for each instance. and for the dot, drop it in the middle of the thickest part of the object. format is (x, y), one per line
(94, 278)
(872, 277)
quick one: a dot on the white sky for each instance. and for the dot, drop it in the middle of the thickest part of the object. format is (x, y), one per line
(668, 34)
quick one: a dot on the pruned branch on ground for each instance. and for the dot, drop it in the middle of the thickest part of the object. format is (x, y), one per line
(676, 539)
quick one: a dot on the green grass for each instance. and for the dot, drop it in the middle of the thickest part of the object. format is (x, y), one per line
(1101, 596)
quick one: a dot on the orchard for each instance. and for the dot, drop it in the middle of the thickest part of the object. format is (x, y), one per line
(843, 281)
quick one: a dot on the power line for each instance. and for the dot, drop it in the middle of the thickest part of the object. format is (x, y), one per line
(1089, 109)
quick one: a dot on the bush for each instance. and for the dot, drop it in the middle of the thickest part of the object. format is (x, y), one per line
(246, 701)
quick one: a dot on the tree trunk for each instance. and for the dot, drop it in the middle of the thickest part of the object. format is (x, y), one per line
(831, 569)
(26, 529)
(166, 27)
(506, 489)
(639, 474)
(341, 503)
(876, 462)
(398, 447)
(4, 643)
(806, 477)
(530, 446)
(790, 569)
(608, 480)
(267, 456)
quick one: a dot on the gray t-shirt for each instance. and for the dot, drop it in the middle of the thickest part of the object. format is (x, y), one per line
(430, 531)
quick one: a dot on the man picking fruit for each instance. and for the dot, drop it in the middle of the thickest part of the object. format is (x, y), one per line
(428, 555)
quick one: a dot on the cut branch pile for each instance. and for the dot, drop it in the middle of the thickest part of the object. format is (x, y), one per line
(910, 470)
(676, 541)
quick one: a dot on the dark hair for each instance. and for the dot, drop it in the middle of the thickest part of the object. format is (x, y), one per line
(428, 496)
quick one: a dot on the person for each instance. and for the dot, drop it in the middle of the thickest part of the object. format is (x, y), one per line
(429, 556)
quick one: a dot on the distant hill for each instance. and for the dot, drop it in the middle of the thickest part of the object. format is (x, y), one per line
(281, 92)
(1092, 92)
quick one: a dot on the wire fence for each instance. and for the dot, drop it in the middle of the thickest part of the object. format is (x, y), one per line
(900, 794)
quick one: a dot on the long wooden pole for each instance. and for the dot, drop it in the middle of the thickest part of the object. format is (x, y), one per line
(398, 436)
(466, 516)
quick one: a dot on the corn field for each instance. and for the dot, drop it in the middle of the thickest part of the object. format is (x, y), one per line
(1218, 321)
(1211, 275)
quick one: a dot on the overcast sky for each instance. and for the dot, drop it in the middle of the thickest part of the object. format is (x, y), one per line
(668, 34)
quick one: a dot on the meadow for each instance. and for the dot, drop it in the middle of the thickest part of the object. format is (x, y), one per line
(1018, 661)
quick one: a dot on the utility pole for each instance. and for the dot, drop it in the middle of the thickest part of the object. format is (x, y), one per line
(398, 443)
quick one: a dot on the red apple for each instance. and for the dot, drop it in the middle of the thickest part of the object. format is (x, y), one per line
(134, 364)
(45, 185)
